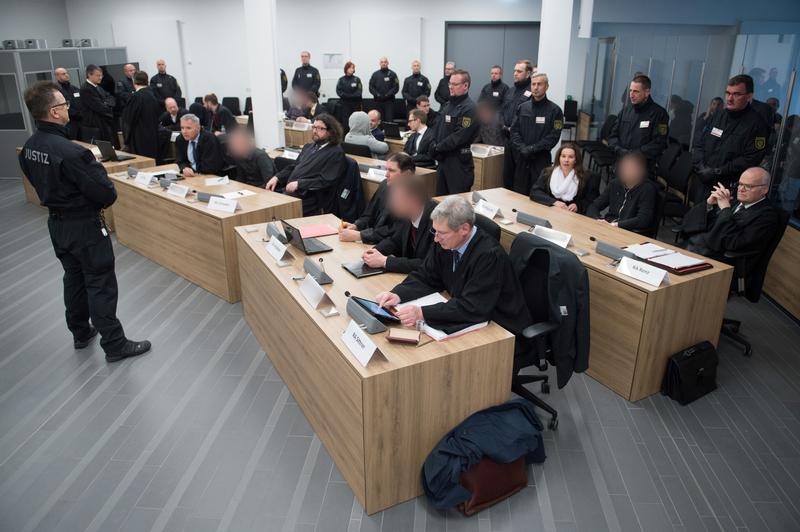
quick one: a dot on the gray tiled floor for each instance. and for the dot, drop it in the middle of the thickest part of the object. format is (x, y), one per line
(202, 435)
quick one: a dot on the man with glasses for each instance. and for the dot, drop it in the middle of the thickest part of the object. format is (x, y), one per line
(419, 142)
(471, 266)
(736, 139)
(316, 173)
(455, 132)
(745, 224)
(75, 187)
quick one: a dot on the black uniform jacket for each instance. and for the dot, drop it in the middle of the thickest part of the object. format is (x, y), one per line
(383, 85)
(456, 129)
(140, 123)
(72, 94)
(66, 175)
(537, 127)
(376, 222)
(643, 127)
(208, 156)
(404, 254)
(306, 78)
(483, 287)
(494, 92)
(633, 209)
(442, 94)
(588, 190)
(349, 88)
(421, 153)
(165, 86)
(413, 86)
(317, 172)
(516, 95)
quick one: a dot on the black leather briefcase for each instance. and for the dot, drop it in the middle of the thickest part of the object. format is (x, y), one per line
(691, 373)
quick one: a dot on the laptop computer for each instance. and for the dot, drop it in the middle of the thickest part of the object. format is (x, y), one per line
(391, 130)
(108, 153)
(361, 270)
(309, 246)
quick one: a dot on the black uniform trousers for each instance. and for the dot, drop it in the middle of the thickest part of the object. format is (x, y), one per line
(346, 108)
(90, 283)
(386, 109)
(456, 173)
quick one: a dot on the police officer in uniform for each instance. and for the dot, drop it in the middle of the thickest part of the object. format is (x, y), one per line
(306, 77)
(164, 86)
(125, 88)
(442, 94)
(72, 95)
(519, 93)
(735, 140)
(456, 129)
(75, 187)
(415, 85)
(383, 85)
(535, 131)
(495, 91)
(642, 125)
(349, 89)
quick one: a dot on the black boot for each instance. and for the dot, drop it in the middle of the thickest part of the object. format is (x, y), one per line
(130, 349)
(80, 344)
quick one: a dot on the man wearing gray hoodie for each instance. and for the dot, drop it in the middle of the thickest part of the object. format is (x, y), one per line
(360, 134)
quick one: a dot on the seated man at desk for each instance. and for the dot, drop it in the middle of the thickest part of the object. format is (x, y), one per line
(222, 120)
(424, 105)
(315, 175)
(360, 135)
(419, 142)
(630, 197)
(375, 125)
(472, 267)
(253, 165)
(171, 118)
(726, 224)
(411, 239)
(376, 222)
(197, 151)
(566, 184)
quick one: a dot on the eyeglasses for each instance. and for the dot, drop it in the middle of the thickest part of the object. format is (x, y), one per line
(747, 187)
(434, 232)
(65, 104)
(319, 128)
(451, 84)
(735, 94)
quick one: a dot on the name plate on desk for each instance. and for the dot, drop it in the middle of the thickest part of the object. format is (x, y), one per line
(211, 181)
(359, 343)
(642, 271)
(377, 174)
(144, 178)
(487, 209)
(177, 190)
(291, 155)
(317, 297)
(215, 203)
(556, 237)
(278, 251)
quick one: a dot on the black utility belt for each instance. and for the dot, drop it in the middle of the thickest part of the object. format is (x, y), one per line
(74, 215)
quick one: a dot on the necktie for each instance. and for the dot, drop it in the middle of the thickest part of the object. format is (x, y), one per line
(413, 236)
(738, 208)
(456, 259)
(415, 146)
(193, 154)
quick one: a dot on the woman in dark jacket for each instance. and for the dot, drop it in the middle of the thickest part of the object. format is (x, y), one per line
(349, 88)
(630, 197)
(566, 184)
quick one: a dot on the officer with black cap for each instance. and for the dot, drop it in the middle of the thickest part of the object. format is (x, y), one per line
(735, 140)
(455, 132)
(75, 187)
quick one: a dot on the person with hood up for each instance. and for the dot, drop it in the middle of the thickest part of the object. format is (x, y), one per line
(360, 134)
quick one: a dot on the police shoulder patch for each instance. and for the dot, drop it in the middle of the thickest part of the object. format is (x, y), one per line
(761, 142)
(662, 129)
(466, 122)
(557, 124)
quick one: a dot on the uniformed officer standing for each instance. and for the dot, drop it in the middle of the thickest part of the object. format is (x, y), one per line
(125, 87)
(75, 187)
(383, 85)
(306, 77)
(164, 86)
(415, 85)
(350, 90)
(442, 94)
(642, 125)
(456, 129)
(72, 95)
(534, 132)
(735, 140)
(495, 91)
(519, 93)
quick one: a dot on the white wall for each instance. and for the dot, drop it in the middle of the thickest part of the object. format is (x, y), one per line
(34, 19)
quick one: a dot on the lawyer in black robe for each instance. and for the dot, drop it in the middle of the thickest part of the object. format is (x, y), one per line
(317, 171)
(140, 122)
(406, 249)
(97, 112)
(376, 222)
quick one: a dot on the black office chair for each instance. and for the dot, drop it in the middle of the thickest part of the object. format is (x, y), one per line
(199, 100)
(570, 115)
(749, 270)
(489, 226)
(181, 102)
(357, 149)
(677, 180)
(248, 105)
(658, 215)
(232, 103)
(665, 162)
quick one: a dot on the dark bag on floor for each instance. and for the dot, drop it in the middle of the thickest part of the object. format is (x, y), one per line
(691, 373)
(490, 483)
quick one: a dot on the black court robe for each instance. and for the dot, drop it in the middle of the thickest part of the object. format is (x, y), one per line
(97, 107)
(317, 172)
(404, 254)
(209, 157)
(376, 222)
(140, 123)
(483, 287)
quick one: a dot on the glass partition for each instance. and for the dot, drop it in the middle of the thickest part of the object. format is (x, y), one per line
(10, 106)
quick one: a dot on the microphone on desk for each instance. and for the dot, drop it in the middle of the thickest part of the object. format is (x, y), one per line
(593, 239)
(322, 263)
(346, 293)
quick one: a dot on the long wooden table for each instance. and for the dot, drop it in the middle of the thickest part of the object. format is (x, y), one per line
(378, 422)
(488, 168)
(185, 236)
(782, 282)
(634, 326)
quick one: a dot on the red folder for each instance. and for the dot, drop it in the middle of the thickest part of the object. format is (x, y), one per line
(313, 231)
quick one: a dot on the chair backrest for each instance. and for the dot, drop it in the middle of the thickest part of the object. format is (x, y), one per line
(668, 158)
(584, 125)
(248, 105)
(356, 149)
(608, 125)
(232, 103)
(678, 175)
(199, 100)
(570, 111)
(489, 226)
(533, 278)
(754, 277)
(181, 102)
(661, 198)
(350, 201)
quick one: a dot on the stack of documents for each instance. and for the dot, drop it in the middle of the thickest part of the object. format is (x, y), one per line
(663, 256)
(436, 334)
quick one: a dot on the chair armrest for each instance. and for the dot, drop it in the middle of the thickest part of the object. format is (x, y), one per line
(740, 254)
(539, 329)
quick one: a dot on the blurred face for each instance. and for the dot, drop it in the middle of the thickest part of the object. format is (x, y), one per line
(424, 107)
(416, 67)
(161, 65)
(383, 62)
(392, 170)
(189, 130)
(449, 238)
(637, 93)
(319, 131)
(567, 160)
(538, 88)
(448, 69)
(62, 76)
(95, 77)
(752, 186)
(129, 70)
(402, 204)
(305, 58)
(374, 119)
(773, 102)
(171, 105)
(240, 144)
(715, 105)
(630, 173)
(351, 70)
(737, 97)
(59, 110)
(485, 114)
(520, 72)
(496, 74)
(458, 85)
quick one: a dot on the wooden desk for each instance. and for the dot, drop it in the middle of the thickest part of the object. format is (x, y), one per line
(294, 137)
(241, 120)
(378, 422)
(184, 236)
(488, 168)
(634, 327)
(782, 282)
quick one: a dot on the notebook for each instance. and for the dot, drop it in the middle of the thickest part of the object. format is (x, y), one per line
(677, 261)
(436, 334)
(648, 251)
